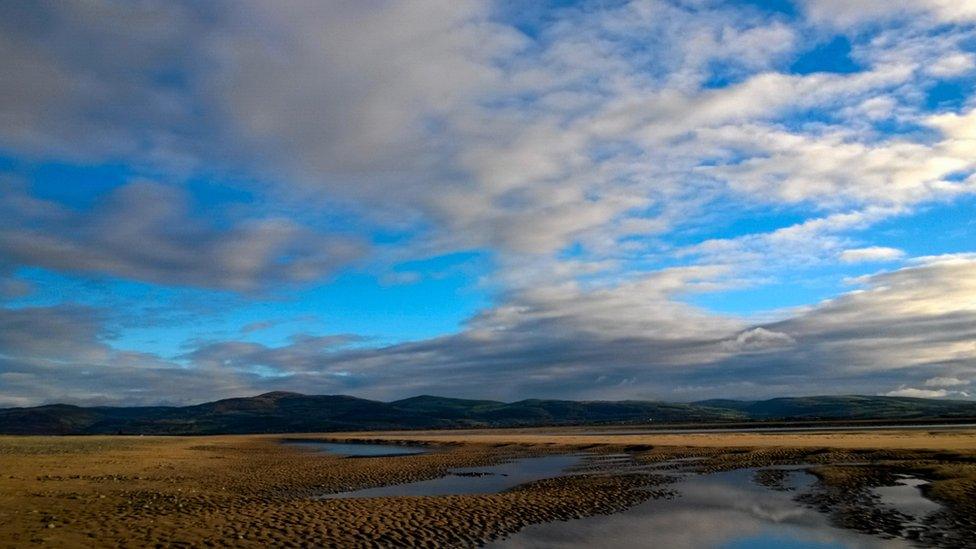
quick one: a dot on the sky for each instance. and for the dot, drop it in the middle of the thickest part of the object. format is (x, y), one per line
(651, 199)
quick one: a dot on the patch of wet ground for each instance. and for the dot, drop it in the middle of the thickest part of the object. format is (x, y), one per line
(233, 491)
(775, 504)
(724, 509)
(783, 506)
(476, 480)
(882, 501)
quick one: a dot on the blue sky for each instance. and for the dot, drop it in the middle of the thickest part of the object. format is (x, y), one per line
(660, 199)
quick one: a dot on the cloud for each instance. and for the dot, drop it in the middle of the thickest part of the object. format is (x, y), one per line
(759, 339)
(906, 328)
(794, 167)
(867, 11)
(906, 325)
(634, 342)
(303, 354)
(443, 115)
(953, 65)
(945, 382)
(613, 160)
(65, 354)
(871, 254)
(60, 332)
(256, 326)
(918, 393)
(146, 231)
(59, 353)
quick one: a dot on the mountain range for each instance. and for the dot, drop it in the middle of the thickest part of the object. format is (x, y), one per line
(283, 412)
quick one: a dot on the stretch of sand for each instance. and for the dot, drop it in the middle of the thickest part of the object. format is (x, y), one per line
(233, 491)
(254, 491)
(893, 439)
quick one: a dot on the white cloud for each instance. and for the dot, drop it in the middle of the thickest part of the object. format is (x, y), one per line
(945, 382)
(844, 13)
(443, 116)
(759, 339)
(918, 393)
(953, 65)
(834, 170)
(871, 254)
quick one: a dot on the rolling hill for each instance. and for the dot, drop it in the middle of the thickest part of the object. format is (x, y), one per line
(282, 412)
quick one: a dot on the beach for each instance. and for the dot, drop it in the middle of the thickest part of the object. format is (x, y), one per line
(256, 490)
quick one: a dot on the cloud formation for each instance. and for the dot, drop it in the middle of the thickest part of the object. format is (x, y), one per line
(913, 326)
(628, 170)
(145, 231)
(480, 132)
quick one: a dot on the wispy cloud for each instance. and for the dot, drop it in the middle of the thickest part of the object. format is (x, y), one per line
(871, 254)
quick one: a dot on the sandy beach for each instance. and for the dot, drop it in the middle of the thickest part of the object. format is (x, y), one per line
(255, 491)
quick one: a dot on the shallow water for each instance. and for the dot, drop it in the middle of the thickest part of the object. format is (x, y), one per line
(360, 450)
(721, 510)
(907, 497)
(475, 480)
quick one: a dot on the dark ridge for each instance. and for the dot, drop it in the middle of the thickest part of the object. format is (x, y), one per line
(285, 412)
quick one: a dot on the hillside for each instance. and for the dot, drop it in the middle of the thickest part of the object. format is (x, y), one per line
(854, 407)
(281, 412)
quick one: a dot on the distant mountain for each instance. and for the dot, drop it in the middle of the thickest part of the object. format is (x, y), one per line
(447, 408)
(855, 407)
(281, 412)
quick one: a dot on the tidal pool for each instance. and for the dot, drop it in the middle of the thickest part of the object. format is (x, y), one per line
(475, 480)
(906, 497)
(359, 450)
(720, 510)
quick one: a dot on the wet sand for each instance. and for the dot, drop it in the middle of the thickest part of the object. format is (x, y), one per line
(255, 491)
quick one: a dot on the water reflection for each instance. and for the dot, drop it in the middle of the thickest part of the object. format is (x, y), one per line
(907, 497)
(475, 480)
(722, 510)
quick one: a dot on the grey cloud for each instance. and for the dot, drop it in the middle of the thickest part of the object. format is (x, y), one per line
(256, 326)
(97, 80)
(61, 332)
(146, 231)
(64, 354)
(860, 342)
(59, 353)
(552, 346)
(304, 354)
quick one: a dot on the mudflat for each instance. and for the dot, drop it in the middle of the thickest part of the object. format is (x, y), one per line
(256, 491)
